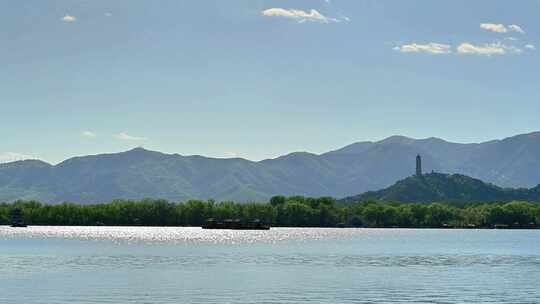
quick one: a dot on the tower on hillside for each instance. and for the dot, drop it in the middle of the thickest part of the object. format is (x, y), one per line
(418, 165)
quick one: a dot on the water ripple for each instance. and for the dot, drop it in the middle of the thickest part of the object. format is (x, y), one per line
(62, 265)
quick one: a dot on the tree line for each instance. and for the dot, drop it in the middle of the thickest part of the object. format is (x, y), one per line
(294, 211)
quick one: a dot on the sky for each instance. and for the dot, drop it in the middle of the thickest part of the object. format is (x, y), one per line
(257, 79)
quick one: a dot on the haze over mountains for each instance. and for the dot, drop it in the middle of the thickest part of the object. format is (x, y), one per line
(363, 166)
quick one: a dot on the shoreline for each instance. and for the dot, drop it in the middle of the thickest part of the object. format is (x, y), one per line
(287, 227)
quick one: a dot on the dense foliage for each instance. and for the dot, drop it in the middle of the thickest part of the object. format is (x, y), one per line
(296, 211)
(452, 188)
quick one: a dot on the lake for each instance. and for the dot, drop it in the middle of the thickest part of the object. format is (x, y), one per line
(283, 265)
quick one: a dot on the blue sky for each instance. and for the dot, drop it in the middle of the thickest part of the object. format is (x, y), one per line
(257, 79)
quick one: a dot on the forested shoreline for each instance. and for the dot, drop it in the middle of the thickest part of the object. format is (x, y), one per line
(295, 211)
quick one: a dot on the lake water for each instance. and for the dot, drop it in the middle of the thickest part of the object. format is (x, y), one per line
(283, 265)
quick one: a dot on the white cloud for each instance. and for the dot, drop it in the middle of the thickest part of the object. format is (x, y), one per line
(300, 15)
(108, 14)
(516, 28)
(7, 157)
(506, 45)
(501, 28)
(487, 49)
(431, 48)
(68, 18)
(127, 137)
(88, 134)
(498, 28)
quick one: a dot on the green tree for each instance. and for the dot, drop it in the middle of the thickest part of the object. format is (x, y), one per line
(299, 215)
(277, 200)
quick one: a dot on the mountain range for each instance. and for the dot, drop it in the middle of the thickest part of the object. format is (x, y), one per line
(356, 168)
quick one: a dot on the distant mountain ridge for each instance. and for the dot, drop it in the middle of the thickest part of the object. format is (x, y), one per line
(356, 168)
(449, 188)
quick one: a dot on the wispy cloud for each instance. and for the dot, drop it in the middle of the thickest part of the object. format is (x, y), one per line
(301, 15)
(506, 45)
(431, 48)
(108, 14)
(501, 28)
(68, 18)
(487, 49)
(516, 28)
(88, 134)
(127, 137)
(466, 48)
(7, 157)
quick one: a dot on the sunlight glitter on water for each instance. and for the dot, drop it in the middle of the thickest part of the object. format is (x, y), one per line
(178, 234)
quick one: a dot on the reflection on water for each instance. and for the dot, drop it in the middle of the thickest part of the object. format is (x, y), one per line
(283, 265)
(177, 235)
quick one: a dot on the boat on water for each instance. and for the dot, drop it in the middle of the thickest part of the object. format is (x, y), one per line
(235, 225)
(18, 225)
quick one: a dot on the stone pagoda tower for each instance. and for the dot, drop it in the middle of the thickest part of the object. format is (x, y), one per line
(418, 165)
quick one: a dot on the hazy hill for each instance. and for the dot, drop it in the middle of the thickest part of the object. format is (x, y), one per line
(438, 187)
(360, 167)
